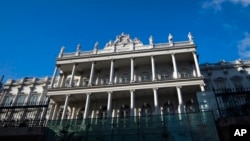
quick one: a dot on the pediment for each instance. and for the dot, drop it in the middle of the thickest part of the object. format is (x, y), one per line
(123, 40)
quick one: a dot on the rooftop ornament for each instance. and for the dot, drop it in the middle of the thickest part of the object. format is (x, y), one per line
(190, 38)
(170, 39)
(61, 52)
(78, 50)
(96, 47)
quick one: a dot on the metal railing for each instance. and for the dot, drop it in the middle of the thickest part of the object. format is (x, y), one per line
(22, 123)
(188, 127)
(144, 47)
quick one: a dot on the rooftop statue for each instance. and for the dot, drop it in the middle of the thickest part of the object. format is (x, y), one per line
(170, 37)
(61, 51)
(96, 45)
(78, 48)
(190, 37)
(151, 40)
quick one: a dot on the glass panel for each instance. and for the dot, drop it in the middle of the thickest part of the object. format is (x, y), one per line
(125, 78)
(174, 127)
(21, 100)
(164, 75)
(145, 76)
(33, 99)
(8, 101)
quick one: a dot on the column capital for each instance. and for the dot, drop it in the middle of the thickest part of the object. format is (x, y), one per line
(67, 95)
(178, 86)
(155, 89)
(132, 91)
(110, 92)
(88, 94)
(202, 84)
(173, 54)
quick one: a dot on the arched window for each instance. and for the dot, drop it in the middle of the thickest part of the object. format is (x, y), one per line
(145, 76)
(8, 101)
(80, 113)
(125, 78)
(124, 111)
(75, 82)
(238, 83)
(21, 100)
(102, 112)
(67, 83)
(221, 83)
(146, 110)
(190, 106)
(168, 107)
(106, 80)
(184, 73)
(34, 99)
(164, 74)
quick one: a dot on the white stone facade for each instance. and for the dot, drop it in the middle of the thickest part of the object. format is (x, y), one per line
(226, 76)
(19, 98)
(126, 78)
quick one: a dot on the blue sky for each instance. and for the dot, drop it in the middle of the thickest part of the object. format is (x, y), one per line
(32, 32)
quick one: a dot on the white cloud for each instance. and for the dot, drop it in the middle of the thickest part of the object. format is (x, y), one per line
(244, 47)
(217, 4)
(244, 3)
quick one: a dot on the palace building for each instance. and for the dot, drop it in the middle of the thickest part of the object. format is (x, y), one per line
(129, 91)
(126, 78)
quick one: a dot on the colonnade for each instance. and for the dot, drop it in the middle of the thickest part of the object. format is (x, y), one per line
(132, 70)
(132, 103)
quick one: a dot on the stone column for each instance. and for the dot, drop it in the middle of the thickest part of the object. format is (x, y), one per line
(72, 75)
(54, 112)
(111, 72)
(73, 113)
(91, 73)
(86, 110)
(51, 111)
(54, 76)
(109, 105)
(132, 70)
(156, 104)
(65, 107)
(153, 68)
(202, 87)
(132, 102)
(62, 81)
(180, 106)
(175, 75)
(196, 64)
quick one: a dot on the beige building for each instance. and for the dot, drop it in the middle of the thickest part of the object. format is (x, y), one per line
(126, 78)
(24, 100)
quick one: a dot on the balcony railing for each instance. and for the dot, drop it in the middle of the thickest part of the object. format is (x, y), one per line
(27, 104)
(145, 80)
(144, 47)
(22, 123)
